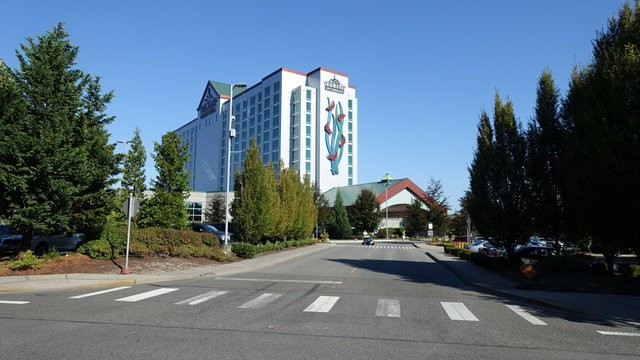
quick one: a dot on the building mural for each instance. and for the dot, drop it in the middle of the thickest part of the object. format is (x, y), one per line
(334, 139)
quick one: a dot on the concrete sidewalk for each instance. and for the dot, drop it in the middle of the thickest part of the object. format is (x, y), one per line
(622, 309)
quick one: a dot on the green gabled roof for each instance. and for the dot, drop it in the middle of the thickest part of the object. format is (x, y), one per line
(350, 193)
(225, 89)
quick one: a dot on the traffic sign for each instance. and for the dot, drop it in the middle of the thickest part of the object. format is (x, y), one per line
(135, 206)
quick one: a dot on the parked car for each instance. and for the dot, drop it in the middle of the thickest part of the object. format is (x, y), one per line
(210, 228)
(367, 239)
(533, 253)
(41, 244)
(9, 241)
(477, 245)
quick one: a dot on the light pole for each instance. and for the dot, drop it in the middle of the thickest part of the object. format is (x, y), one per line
(386, 179)
(129, 208)
(232, 134)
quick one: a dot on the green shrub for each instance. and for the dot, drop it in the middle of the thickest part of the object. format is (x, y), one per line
(324, 237)
(28, 261)
(447, 248)
(244, 250)
(52, 254)
(465, 254)
(139, 250)
(635, 270)
(97, 249)
(563, 264)
(216, 253)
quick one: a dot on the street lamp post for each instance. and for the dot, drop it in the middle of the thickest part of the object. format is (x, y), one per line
(129, 207)
(386, 179)
(232, 134)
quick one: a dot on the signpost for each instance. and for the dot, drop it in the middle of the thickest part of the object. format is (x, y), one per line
(130, 209)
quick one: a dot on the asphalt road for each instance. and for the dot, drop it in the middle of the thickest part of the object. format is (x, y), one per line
(387, 301)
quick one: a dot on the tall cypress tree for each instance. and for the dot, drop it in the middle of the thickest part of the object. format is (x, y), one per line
(65, 165)
(255, 206)
(497, 203)
(166, 208)
(544, 141)
(602, 111)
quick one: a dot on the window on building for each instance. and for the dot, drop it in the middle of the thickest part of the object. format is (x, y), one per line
(308, 155)
(194, 211)
(308, 94)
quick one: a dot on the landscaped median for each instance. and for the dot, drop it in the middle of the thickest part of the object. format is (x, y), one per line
(575, 272)
(147, 245)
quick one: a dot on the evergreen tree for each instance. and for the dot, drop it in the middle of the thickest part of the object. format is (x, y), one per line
(215, 211)
(544, 141)
(64, 165)
(437, 212)
(364, 214)
(602, 114)
(167, 208)
(497, 203)
(416, 220)
(133, 177)
(339, 228)
(323, 209)
(482, 209)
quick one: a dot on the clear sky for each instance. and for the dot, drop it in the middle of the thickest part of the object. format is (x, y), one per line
(423, 70)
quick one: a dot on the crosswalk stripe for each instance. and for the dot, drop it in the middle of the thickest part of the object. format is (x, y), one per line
(201, 298)
(260, 301)
(13, 302)
(458, 311)
(388, 307)
(618, 333)
(525, 315)
(322, 304)
(99, 292)
(147, 295)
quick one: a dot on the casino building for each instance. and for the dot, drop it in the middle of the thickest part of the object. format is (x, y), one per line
(307, 120)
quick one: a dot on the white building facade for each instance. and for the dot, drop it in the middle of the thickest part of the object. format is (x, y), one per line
(307, 120)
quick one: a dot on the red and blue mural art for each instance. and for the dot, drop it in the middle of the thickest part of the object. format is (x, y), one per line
(333, 136)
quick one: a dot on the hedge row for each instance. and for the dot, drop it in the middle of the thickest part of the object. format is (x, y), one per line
(249, 251)
(547, 265)
(154, 242)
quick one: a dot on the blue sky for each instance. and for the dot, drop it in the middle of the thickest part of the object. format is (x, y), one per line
(424, 70)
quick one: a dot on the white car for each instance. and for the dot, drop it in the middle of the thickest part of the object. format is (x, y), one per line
(477, 245)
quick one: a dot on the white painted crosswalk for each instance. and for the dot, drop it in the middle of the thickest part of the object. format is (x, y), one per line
(384, 307)
(322, 304)
(397, 247)
(147, 295)
(202, 298)
(388, 307)
(260, 301)
(458, 311)
(525, 315)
